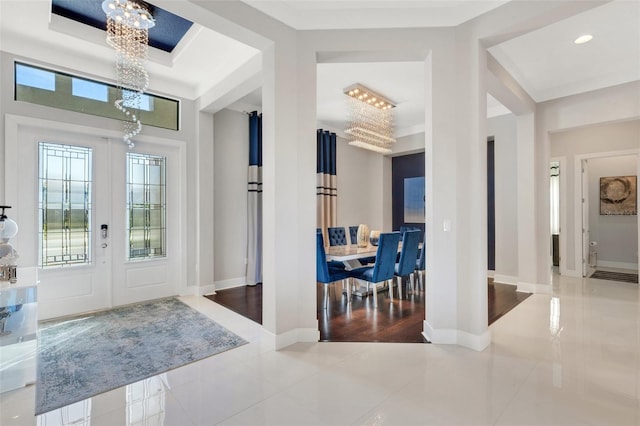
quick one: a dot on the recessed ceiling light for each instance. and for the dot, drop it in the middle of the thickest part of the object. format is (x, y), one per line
(583, 39)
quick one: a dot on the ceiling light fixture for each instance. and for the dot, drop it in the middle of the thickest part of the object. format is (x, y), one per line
(583, 39)
(128, 23)
(371, 121)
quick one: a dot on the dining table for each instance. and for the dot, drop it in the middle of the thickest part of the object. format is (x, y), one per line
(349, 253)
(350, 256)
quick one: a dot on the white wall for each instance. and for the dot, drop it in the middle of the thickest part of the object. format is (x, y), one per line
(205, 204)
(617, 236)
(360, 193)
(409, 144)
(602, 138)
(503, 129)
(231, 159)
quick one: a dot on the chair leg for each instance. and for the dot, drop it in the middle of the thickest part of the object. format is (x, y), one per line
(326, 296)
(375, 295)
(412, 278)
(399, 288)
(391, 290)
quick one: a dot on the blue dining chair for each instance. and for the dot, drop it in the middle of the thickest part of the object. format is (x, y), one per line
(383, 269)
(337, 236)
(408, 256)
(420, 264)
(353, 234)
(327, 275)
(405, 228)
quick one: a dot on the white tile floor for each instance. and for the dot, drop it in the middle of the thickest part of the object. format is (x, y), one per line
(571, 358)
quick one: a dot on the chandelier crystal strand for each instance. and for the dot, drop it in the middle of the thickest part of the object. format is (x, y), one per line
(370, 123)
(128, 24)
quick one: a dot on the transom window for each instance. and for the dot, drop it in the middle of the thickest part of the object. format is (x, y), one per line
(89, 89)
(64, 205)
(64, 91)
(35, 77)
(146, 206)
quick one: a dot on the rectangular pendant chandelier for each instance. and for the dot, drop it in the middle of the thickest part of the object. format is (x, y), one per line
(371, 120)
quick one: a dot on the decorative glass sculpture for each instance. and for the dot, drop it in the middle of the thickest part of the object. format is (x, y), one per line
(363, 235)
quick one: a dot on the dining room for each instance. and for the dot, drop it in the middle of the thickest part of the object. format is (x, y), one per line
(371, 194)
(383, 188)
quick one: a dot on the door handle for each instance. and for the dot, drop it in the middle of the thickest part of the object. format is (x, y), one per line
(104, 245)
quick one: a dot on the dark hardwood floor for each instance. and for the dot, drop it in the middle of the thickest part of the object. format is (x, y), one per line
(502, 299)
(245, 300)
(397, 321)
(400, 321)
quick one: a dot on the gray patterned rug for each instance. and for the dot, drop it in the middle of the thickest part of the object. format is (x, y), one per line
(85, 355)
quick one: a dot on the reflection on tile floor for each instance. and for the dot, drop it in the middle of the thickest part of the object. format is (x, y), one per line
(570, 358)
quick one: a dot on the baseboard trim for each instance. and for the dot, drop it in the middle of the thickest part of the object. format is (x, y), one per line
(534, 288)
(474, 341)
(288, 338)
(194, 290)
(209, 289)
(456, 337)
(206, 290)
(439, 336)
(230, 283)
(618, 265)
(505, 279)
(491, 273)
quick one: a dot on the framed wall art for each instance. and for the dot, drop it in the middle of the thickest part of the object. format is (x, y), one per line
(414, 200)
(618, 195)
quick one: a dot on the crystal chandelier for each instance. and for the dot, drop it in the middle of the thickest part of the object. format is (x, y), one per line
(371, 121)
(128, 23)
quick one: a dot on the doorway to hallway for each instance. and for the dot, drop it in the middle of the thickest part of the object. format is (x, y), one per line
(609, 213)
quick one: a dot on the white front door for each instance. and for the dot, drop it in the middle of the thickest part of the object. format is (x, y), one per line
(97, 231)
(145, 231)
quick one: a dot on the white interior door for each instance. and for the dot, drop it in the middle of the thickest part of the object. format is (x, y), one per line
(71, 186)
(586, 245)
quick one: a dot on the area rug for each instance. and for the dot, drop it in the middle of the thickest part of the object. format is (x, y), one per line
(615, 276)
(86, 355)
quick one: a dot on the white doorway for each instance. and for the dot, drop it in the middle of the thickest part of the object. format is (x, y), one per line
(610, 229)
(554, 206)
(588, 263)
(96, 218)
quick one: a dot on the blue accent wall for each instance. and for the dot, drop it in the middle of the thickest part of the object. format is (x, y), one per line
(402, 167)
